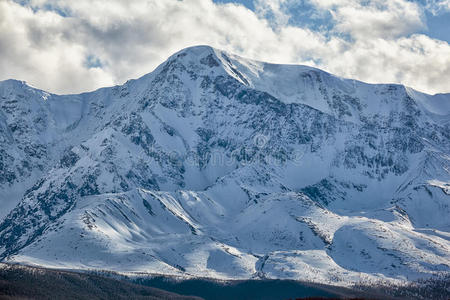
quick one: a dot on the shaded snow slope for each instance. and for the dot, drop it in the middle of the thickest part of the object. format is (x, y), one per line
(218, 166)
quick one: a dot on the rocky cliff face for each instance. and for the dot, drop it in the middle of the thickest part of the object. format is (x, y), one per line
(214, 165)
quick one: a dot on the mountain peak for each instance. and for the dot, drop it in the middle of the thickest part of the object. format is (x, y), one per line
(197, 50)
(194, 53)
(13, 83)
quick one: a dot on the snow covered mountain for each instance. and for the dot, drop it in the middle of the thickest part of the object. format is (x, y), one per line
(218, 166)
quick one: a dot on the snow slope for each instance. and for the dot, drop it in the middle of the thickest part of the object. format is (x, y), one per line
(214, 165)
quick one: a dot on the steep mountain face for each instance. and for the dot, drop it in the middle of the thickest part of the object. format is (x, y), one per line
(214, 165)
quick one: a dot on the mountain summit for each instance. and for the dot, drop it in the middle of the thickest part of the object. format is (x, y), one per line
(218, 166)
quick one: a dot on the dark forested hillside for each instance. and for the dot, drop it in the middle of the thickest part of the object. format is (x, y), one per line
(19, 282)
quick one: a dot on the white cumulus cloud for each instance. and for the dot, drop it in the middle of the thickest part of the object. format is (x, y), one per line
(375, 18)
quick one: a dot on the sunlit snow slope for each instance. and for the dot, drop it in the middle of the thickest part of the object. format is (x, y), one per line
(218, 166)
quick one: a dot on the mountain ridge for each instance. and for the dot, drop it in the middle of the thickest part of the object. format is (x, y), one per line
(214, 165)
(199, 48)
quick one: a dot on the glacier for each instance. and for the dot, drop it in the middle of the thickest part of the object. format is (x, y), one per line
(218, 166)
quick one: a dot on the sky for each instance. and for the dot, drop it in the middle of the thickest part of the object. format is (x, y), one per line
(65, 46)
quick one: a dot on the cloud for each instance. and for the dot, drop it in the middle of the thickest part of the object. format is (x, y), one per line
(438, 6)
(33, 46)
(375, 18)
(274, 10)
(73, 46)
(417, 61)
(382, 45)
